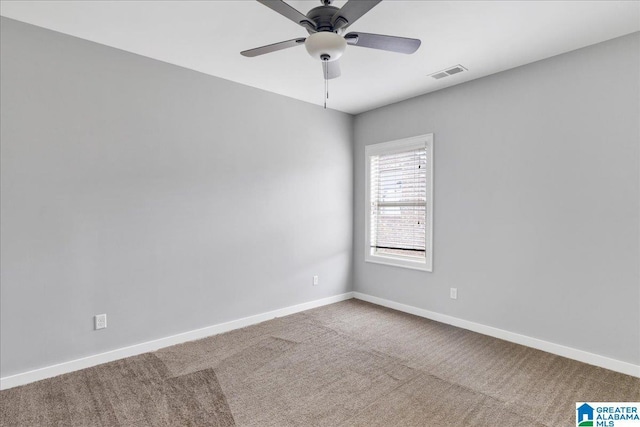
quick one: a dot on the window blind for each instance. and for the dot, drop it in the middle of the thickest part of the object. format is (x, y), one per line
(398, 203)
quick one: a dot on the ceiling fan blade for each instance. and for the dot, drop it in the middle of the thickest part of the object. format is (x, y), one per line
(331, 70)
(289, 12)
(351, 12)
(379, 41)
(272, 47)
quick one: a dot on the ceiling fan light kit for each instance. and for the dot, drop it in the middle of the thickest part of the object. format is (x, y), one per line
(326, 25)
(325, 46)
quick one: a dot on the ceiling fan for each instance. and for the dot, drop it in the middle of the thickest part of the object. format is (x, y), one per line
(326, 25)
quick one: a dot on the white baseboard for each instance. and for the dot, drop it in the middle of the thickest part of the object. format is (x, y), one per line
(134, 350)
(549, 347)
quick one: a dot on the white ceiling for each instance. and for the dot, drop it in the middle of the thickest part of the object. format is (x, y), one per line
(207, 36)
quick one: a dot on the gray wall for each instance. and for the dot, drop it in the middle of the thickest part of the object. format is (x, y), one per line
(168, 199)
(132, 187)
(536, 216)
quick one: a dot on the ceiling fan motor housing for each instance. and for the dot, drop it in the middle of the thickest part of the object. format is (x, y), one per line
(322, 17)
(325, 45)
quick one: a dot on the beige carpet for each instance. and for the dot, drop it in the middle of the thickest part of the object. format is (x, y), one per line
(347, 364)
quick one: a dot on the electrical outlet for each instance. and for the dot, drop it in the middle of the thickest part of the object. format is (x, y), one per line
(316, 280)
(100, 321)
(453, 293)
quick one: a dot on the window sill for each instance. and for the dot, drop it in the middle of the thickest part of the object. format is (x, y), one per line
(412, 265)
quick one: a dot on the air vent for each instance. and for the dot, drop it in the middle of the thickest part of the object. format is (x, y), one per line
(448, 72)
(455, 70)
(439, 75)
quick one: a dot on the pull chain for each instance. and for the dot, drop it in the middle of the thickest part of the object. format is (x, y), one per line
(326, 82)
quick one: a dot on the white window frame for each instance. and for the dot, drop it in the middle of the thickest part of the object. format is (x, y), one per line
(391, 147)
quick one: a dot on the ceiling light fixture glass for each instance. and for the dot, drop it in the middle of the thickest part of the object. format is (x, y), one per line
(325, 45)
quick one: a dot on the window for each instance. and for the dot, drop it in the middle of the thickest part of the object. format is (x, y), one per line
(399, 199)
